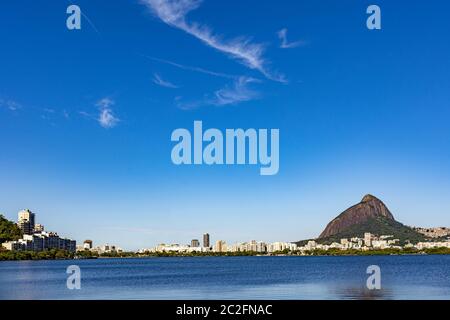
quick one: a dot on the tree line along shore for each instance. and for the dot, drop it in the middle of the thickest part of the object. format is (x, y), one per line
(65, 255)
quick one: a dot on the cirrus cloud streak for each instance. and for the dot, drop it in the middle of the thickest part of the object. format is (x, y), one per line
(174, 12)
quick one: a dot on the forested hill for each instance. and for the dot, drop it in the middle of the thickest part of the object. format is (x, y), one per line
(8, 230)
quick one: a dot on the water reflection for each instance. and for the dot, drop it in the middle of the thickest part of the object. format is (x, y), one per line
(361, 293)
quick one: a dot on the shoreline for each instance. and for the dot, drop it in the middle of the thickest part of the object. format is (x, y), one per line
(25, 256)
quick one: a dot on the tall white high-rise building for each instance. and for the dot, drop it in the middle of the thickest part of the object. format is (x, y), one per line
(26, 221)
(367, 239)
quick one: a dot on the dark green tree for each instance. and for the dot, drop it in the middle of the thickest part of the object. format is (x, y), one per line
(9, 231)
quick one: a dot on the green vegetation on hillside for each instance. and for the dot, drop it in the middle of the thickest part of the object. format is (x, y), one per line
(9, 231)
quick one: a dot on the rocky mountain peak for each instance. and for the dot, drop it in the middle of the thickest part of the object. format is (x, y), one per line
(369, 197)
(369, 207)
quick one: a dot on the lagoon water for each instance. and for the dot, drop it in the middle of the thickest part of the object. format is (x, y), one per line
(402, 277)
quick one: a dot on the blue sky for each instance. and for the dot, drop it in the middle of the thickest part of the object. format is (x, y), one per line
(86, 115)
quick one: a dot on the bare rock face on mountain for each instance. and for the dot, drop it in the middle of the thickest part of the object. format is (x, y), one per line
(370, 208)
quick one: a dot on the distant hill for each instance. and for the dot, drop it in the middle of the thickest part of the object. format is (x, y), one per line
(370, 215)
(8, 230)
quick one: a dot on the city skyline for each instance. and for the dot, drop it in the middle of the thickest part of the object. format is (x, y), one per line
(86, 116)
(26, 222)
(35, 239)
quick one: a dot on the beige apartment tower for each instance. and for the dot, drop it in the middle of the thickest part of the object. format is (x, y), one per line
(26, 221)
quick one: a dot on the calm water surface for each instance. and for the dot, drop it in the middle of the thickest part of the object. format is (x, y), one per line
(403, 277)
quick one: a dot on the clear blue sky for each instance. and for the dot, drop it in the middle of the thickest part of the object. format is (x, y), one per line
(86, 115)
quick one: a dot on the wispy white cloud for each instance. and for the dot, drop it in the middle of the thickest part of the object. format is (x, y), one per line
(65, 114)
(90, 22)
(194, 69)
(239, 92)
(163, 83)
(174, 12)
(285, 44)
(49, 114)
(10, 104)
(182, 104)
(49, 110)
(86, 114)
(106, 117)
(105, 103)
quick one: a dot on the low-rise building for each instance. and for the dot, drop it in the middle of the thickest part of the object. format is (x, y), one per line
(195, 243)
(40, 242)
(107, 248)
(430, 245)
